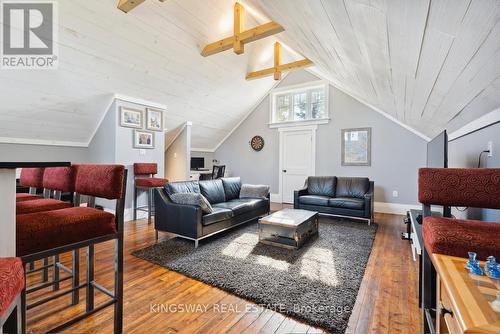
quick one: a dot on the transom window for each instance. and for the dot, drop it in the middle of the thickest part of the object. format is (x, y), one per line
(307, 103)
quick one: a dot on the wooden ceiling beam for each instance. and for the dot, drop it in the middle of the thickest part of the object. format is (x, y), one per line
(127, 5)
(278, 66)
(240, 38)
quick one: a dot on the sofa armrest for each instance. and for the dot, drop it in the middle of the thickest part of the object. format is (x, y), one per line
(175, 218)
(297, 194)
(370, 201)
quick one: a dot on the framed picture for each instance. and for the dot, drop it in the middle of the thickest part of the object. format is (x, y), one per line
(154, 119)
(130, 118)
(144, 139)
(356, 147)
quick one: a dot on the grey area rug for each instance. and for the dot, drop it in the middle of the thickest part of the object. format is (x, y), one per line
(317, 283)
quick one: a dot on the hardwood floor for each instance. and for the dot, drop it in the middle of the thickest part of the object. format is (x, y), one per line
(387, 300)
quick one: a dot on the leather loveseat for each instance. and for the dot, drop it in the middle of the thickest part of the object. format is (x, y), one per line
(189, 222)
(339, 196)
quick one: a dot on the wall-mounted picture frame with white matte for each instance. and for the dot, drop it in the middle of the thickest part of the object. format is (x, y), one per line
(154, 119)
(144, 139)
(131, 118)
(356, 147)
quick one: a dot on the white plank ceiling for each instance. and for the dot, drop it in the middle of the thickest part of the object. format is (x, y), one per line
(151, 53)
(432, 64)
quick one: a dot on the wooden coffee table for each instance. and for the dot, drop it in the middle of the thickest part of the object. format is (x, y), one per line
(288, 228)
(464, 301)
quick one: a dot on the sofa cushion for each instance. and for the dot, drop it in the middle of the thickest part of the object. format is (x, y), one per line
(192, 199)
(352, 187)
(182, 187)
(243, 205)
(213, 190)
(347, 202)
(232, 187)
(321, 185)
(314, 200)
(217, 215)
(456, 237)
(254, 191)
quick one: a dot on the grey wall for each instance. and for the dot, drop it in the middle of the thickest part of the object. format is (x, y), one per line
(22, 152)
(178, 157)
(396, 152)
(114, 144)
(464, 152)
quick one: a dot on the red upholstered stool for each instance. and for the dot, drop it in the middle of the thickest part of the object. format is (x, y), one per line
(56, 180)
(49, 233)
(456, 237)
(32, 178)
(11, 286)
(469, 187)
(144, 181)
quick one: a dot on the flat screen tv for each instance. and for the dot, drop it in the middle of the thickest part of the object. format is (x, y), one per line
(197, 163)
(437, 151)
(437, 157)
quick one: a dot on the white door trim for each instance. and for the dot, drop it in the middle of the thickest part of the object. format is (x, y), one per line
(311, 128)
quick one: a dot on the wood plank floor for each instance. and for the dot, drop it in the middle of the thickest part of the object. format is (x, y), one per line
(387, 301)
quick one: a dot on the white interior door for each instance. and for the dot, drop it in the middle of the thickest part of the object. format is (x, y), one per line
(297, 161)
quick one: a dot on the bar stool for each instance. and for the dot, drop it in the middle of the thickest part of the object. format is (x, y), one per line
(32, 178)
(56, 180)
(44, 234)
(11, 286)
(145, 181)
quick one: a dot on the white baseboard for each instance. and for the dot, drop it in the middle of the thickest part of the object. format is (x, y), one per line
(381, 207)
(395, 208)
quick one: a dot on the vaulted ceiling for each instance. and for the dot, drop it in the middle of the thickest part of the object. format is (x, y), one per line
(429, 64)
(432, 64)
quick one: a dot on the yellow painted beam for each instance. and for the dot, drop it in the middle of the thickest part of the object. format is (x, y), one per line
(240, 38)
(281, 68)
(128, 5)
(239, 15)
(278, 52)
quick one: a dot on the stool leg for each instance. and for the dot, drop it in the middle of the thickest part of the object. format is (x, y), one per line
(135, 203)
(118, 316)
(150, 204)
(23, 309)
(45, 271)
(55, 267)
(75, 295)
(90, 278)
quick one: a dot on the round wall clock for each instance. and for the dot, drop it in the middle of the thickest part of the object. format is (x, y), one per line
(257, 143)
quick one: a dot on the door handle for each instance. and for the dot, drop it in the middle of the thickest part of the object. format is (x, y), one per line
(284, 170)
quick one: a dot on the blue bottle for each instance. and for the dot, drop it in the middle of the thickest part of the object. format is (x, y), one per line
(495, 272)
(472, 260)
(491, 264)
(476, 269)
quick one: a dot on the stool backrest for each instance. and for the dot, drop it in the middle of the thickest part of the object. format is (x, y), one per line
(59, 179)
(32, 177)
(145, 168)
(472, 187)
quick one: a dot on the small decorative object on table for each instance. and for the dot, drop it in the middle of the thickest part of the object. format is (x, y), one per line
(476, 269)
(494, 273)
(472, 260)
(490, 264)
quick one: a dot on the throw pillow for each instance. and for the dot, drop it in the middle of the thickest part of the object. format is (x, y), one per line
(254, 191)
(192, 199)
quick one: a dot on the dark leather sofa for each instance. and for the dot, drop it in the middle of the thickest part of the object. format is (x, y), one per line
(189, 222)
(339, 196)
